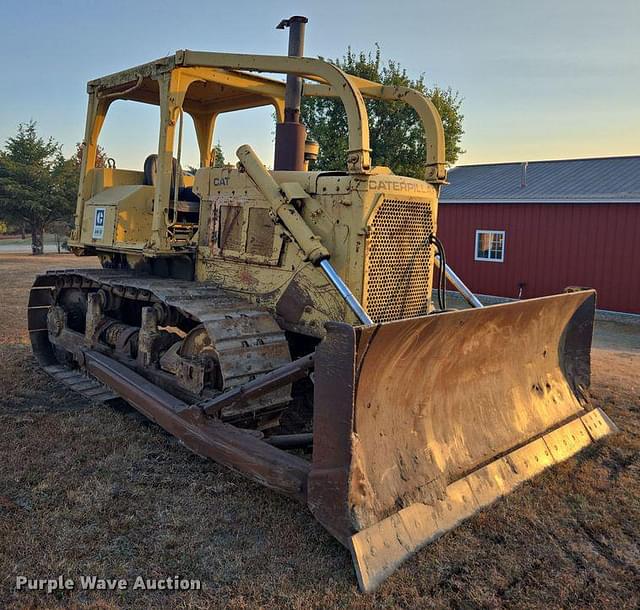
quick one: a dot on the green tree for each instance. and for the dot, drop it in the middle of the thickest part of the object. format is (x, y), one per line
(37, 185)
(219, 160)
(397, 138)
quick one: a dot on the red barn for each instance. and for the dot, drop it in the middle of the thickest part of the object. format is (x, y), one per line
(531, 229)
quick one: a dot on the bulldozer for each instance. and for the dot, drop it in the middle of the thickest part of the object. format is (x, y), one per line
(282, 322)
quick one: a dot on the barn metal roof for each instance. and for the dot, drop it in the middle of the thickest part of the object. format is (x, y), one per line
(598, 180)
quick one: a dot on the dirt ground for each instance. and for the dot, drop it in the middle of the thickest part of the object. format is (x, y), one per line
(86, 489)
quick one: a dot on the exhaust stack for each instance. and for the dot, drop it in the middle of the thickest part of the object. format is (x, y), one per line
(291, 134)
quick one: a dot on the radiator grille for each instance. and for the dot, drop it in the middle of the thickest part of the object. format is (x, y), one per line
(399, 261)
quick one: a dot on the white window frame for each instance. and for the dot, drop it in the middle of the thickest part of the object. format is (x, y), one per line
(493, 232)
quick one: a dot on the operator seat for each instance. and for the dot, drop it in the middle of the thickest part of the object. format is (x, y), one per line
(151, 172)
(188, 201)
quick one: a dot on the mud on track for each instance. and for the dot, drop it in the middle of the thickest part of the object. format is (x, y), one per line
(89, 490)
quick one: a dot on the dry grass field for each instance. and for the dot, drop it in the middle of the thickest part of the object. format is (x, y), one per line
(86, 489)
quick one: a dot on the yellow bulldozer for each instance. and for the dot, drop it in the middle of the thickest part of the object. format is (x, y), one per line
(282, 322)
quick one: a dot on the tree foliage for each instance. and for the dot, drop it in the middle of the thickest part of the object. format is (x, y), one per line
(101, 157)
(397, 139)
(37, 185)
(219, 160)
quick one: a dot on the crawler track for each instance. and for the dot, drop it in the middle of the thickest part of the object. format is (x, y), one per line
(247, 340)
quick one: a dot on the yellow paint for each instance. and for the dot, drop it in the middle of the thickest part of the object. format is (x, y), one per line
(337, 211)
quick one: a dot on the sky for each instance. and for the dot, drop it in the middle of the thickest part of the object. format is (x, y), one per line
(540, 79)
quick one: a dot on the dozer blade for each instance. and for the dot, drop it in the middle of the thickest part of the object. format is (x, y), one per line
(420, 423)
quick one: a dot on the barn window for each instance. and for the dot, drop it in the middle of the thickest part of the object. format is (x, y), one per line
(489, 245)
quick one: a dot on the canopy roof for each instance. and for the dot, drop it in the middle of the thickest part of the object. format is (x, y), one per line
(205, 84)
(217, 89)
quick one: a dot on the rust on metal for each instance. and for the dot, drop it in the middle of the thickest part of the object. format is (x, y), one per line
(378, 550)
(235, 448)
(486, 399)
(473, 385)
(419, 419)
(291, 134)
(247, 341)
(291, 441)
(283, 375)
(291, 305)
